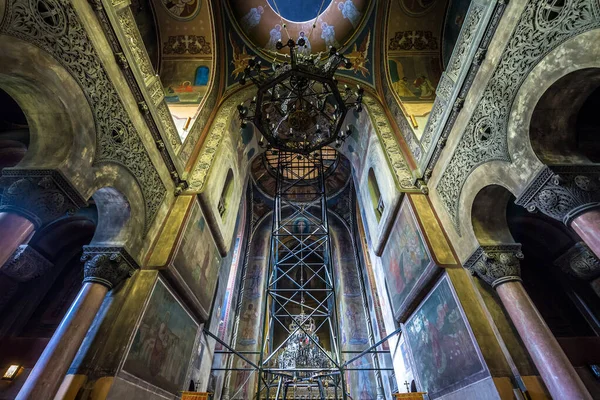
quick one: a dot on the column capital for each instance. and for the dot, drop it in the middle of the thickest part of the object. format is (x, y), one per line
(579, 261)
(496, 264)
(108, 266)
(26, 264)
(41, 196)
(563, 192)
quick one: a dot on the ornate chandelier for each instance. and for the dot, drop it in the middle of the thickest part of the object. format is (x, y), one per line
(298, 106)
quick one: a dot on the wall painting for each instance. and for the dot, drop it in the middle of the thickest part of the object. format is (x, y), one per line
(197, 259)
(406, 261)
(163, 343)
(445, 354)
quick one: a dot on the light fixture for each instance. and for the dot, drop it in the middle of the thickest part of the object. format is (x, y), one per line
(298, 106)
(11, 373)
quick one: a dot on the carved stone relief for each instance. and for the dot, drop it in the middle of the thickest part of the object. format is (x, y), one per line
(108, 266)
(219, 128)
(390, 145)
(39, 195)
(496, 264)
(54, 26)
(26, 264)
(132, 34)
(580, 262)
(532, 39)
(563, 192)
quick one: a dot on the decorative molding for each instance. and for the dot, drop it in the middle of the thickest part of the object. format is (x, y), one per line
(166, 120)
(390, 146)
(218, 129)
(60, 34)
(108, 266)
(157, 93)
(579, 261)
(26, 264)
(496, 264)
(466, 40)
(41, 196)
(186, 44)
(413, 40)
(145, 85)
(482, 18)
(563, 192)
(530, 42)
(136, 45)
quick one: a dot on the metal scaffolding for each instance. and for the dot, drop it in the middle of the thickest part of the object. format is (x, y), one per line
(300, 354)
(301, 302)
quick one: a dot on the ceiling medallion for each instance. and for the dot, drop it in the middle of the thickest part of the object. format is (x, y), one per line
(298, 106)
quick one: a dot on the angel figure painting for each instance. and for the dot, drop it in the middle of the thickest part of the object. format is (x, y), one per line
(240, 57)
(359, 56)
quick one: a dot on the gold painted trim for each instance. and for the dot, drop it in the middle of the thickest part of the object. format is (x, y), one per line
(433, 231)
(163, 247)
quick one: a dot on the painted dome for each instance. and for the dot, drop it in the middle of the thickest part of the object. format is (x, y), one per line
(264, 22)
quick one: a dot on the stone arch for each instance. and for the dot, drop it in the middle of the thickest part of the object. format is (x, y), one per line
(569, 73)
(14, 132)
(553, 130)
(61, 123)
(121, 216)
(488, 215)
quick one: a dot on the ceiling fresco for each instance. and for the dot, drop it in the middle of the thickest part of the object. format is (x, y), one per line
(179, 38)
(414, 43)
(359, 44)
(322, 23)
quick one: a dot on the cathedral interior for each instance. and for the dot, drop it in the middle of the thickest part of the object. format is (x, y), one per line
(310, 199)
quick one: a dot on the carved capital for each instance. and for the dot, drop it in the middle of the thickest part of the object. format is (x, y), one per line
(41, 196)
(496, 264)
(563, 192)
(108, 266)
(26, 264)
(579, 261)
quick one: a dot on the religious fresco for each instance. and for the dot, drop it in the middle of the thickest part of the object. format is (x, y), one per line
(405, 259)
(413, 53)
(416, 8)
(185, 82)
(351, 314)
(187, 66)
(162, 346)
(248, 337)
(183, 10)
(265, 22)
(355, 145)
(197, 259)
(361, 52)
(445, 353)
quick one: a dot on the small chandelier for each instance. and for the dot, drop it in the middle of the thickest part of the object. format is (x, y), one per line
(298, 106)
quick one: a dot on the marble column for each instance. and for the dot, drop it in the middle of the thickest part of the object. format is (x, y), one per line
(104, 269)
(14, 230)
(499, 266)
(587, 226)
(571, 194)
(30, 199)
